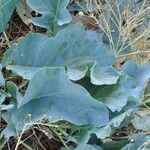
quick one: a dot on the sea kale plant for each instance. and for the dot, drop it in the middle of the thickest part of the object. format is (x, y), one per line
(71, 78)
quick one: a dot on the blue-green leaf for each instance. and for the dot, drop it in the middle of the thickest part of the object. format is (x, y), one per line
(10, 129)
(130, 87)
(53, 12)
(12, 89)
(53, 96)
(138, 141)
(142, 120)
(72, 47)
(103, 73)
(114, 145)
(90, 134)
(114, 124)
(6, 9)
(82, 138)
(2, 81)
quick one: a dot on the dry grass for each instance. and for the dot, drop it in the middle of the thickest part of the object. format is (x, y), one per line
(32, 139)
(132, 25)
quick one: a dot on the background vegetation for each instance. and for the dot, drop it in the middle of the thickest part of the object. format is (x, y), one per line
(116, 32)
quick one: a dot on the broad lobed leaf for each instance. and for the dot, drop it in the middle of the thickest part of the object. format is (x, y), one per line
(130, 87)
(113, 124)
(72, 47)
(93, 135)
(53, 96)
(53, 12)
